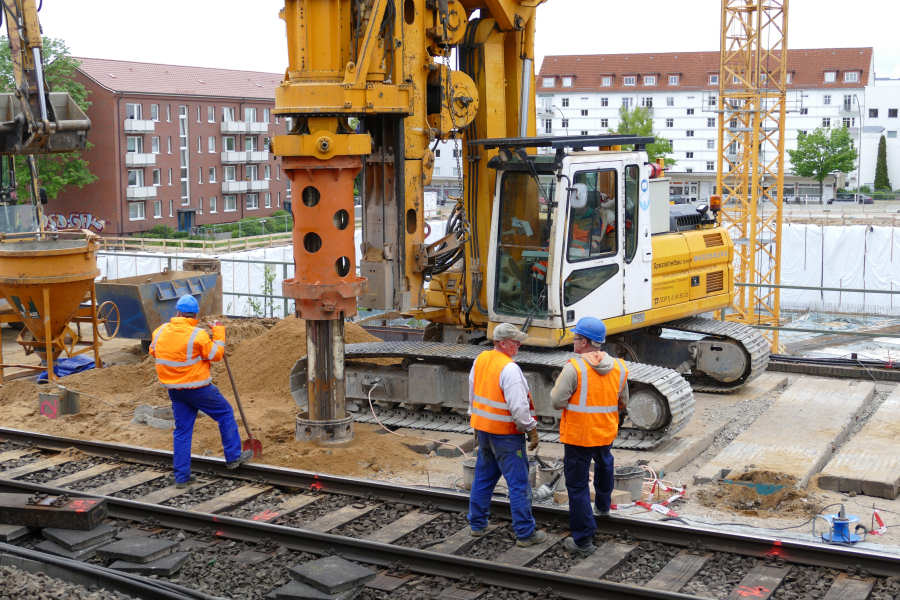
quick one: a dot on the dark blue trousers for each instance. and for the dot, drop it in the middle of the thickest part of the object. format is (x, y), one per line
(185, 404)
(576, 466)
(501, 455)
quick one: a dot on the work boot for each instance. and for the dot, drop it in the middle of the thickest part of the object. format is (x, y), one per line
(583, 550)
(244, 457)
(186, 484)
(601, 513)
(532, 540)
(477, 533)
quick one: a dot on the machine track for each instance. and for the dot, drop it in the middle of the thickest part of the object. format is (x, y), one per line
(662, 380)
(754, 344)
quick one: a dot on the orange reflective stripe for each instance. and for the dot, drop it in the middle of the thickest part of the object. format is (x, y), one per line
(490, 412)
(182, 356)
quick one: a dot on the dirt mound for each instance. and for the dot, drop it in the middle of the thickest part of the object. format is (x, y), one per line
(261, 354)
(760, 494)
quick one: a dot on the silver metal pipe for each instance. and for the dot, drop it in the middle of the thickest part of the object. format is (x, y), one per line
(39, 75)
(525, 98)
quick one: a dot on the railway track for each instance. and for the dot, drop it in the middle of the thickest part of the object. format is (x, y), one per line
(422, 533)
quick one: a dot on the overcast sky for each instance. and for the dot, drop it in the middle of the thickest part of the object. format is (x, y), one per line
(247, 34)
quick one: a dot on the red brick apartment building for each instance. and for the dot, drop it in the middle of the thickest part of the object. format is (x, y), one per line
(176, 146)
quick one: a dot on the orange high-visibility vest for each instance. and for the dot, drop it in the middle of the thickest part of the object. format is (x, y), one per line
(490, 412)
(591, 418)
(183, 352)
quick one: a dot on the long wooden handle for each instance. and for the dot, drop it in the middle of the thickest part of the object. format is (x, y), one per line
(237, 398)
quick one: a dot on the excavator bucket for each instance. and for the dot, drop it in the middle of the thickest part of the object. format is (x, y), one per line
(67, 127)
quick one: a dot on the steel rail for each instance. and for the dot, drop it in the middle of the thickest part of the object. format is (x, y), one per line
(794, 551)
(385, 555)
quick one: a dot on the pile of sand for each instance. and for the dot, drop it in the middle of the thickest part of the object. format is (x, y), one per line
(261, 354)
(761, 501)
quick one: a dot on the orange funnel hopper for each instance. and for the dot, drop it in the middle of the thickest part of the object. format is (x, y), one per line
(45, 277)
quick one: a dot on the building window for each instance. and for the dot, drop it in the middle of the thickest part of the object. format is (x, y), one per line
(710, 121)
(170, 176)
(647, 102)
(564, 102)
(228, 144)
(848, 122)
(199, 113)
(714, 79)
(265, 115)
(169, 145)
(801, 133)
(892, 113)
(229, 172)
(710, 166)
(135, 211)
(826, 99)
(689, 170)
(212, 175)
(673, 79)
(629, 80)
(157, 209)
(230, 201)
(564, 123)
(135, 177)
(670, 122)
(252, 172)
(278, 172)
(892, 134)
(873, 113)
(670, 100)
(689, 133)
(199, 174)
(169, 117)
(689, 155)
(710, 144)
(735, 79)
(549, 81)
(132, 111)
(584, 112)
(851, 76)
(649, 79)
(267, 170)
(227, 113)
(154, 112)
(604, 122)
(690, 111)
(171, 207)
(437, 153)
(804, 111)
(212, 205)
(826, 122)
(830, 76)
(199, 144)
(733, 124)
(604, 101)
(252, 202)
(134, 143)
(567, 82)
(848, 101)
(712, 100)
(250, 114)
(154, 144)
(211, 143)
(606, 81)
(268, 198)
(250, 143)
(626, 102)
(210, 114)
(157, 177)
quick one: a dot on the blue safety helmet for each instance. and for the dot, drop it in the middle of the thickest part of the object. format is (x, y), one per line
(188, 305)
(592, 328)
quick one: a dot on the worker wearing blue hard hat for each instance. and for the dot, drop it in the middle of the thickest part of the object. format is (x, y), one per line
(592, 392)
(183, 352)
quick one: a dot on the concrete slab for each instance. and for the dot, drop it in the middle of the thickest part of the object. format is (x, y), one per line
(332, 574)
(73, 539)
(165, 566)
(138, 549)
(301, 591)
(73, 513)
(869, 463)
(388, 583)
(9, 533)
(797, 434)
(442, 443)
(54, 548)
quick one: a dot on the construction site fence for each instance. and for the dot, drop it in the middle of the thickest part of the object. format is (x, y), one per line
(205, 246)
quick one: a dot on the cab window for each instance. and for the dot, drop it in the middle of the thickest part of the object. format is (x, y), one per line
(632, 189)
(593, 215)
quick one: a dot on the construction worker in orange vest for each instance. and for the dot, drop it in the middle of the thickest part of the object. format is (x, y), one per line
(183, 352)
(501, 411)
(592, 392)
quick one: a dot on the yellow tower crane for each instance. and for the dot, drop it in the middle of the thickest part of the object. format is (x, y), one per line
(750, 172)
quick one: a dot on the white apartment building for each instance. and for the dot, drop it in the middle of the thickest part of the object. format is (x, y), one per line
(828, 87)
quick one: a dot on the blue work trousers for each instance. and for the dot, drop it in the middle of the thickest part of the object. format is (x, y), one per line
(501, 455)
(185, 404)
(576, 466)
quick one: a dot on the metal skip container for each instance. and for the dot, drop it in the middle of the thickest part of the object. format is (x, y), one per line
(147, 301)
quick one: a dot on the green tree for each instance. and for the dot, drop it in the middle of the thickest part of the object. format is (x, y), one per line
(640, 122)
(819, 153)
(55, 171)
(882, 182)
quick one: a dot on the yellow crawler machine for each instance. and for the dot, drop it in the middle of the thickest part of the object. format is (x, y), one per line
(548, 229)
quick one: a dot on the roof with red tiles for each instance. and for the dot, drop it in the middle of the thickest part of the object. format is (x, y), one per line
(152, 78)
(806, 68)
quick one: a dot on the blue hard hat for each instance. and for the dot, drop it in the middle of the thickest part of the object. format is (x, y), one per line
(592, 328)
(188, 305)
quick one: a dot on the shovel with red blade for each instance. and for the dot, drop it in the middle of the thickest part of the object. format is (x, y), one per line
(251, 443)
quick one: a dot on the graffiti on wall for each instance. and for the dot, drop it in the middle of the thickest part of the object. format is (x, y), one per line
(75, 220)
